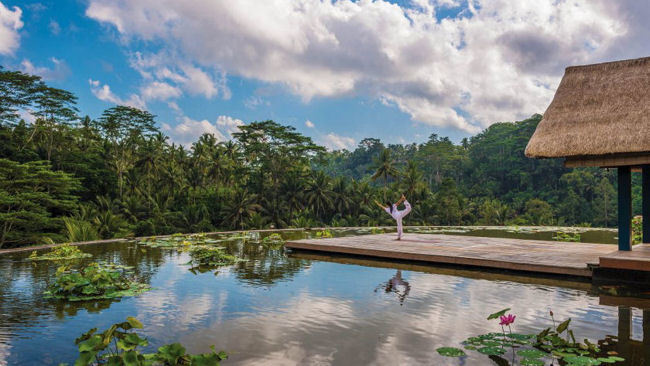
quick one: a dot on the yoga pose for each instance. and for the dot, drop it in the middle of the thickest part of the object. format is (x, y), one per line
(397, 214)
(393, 286)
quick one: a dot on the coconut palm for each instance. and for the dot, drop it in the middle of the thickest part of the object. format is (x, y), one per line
(241, 206)
(384, 167)
(319, 194)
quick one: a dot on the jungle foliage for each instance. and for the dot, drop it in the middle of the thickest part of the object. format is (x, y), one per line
(64, 177)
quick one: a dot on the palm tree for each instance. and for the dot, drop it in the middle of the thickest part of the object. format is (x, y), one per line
(412, 178)
(319, 194)
(385, 167)
(240, 208)
(341, 193)
(293, 188)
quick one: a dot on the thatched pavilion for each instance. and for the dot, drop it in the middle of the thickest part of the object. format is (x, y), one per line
(600, 116)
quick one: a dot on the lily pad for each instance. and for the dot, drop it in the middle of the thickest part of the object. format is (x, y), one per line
(451, 352)
(531, 362)
(491, 351)
(581, 361)
(531, 353)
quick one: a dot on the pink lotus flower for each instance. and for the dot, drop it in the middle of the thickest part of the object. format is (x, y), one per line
(507, 319)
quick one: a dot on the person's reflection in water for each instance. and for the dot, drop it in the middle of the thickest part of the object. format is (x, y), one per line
(393, 286)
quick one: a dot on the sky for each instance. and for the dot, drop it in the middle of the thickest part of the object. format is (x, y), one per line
(338, 71)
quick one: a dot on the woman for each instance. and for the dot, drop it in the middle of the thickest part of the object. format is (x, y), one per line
(393, 286)
(397, 214)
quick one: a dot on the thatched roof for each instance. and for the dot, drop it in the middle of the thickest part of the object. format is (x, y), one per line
(598, 110)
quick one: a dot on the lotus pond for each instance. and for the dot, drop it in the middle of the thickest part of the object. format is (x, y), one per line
(265, 306)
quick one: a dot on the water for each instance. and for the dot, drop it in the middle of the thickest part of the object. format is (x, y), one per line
(298, 309)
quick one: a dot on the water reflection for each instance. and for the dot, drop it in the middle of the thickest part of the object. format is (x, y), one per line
(296, 309)
(397, 286)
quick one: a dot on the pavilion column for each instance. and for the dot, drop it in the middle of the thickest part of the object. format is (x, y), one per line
(624, 208)
(645, 209)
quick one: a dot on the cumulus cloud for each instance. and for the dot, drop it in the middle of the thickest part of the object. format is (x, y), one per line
(309, 124)
(229, 125)
(157, 90)
(497, 61)
(104, 93)
(194, 80)
(10, 24)
(189, 130)
(58, 71)
(333, 141)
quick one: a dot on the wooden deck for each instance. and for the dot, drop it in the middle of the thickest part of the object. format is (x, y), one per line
(573, 259)
(638, 259)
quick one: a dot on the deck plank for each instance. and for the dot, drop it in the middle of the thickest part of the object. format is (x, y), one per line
(638, 259)
(574, 259)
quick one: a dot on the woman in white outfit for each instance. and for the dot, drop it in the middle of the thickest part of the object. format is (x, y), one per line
(397, 214)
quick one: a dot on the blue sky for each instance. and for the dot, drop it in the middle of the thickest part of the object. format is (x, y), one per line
(398, 71)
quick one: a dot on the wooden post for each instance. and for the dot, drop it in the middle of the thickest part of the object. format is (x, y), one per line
(645, 197)
(624, 208)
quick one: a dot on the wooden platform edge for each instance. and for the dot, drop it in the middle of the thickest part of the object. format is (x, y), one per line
(444, 259)
(629, 264)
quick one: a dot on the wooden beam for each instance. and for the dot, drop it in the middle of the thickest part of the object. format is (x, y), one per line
(624, 208)
(645, 206)
(608, 161)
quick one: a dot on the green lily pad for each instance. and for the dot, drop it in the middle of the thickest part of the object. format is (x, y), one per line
(531, 362)
(451, 352)
(531, 353)
(610, 359)
(581, 361)
(491, 351)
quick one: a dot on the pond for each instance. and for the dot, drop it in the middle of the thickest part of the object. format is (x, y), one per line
(279, 308)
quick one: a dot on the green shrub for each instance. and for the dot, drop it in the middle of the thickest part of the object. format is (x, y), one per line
(637, 229)
(79, 230)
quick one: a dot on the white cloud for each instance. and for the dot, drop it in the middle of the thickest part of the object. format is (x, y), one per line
(498, 61)
(189, 130)
(105, 94)
(192, 79)
(55, 28)
(309, 124)
(59, 71)
(336, 142)
(229, 125)
(10, 24)
(157, 90)
(255, 101)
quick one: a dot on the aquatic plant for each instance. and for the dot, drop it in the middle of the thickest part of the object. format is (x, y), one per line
(376, 230)
(119, 345)
(273, 241)
(553, 343)
(94, 282)
(324, 234)
(209, 256)
(507, 319)
(59, 253)
(567, 236)
(178, 241)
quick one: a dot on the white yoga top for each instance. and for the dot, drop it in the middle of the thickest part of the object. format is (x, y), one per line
(397, 214)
